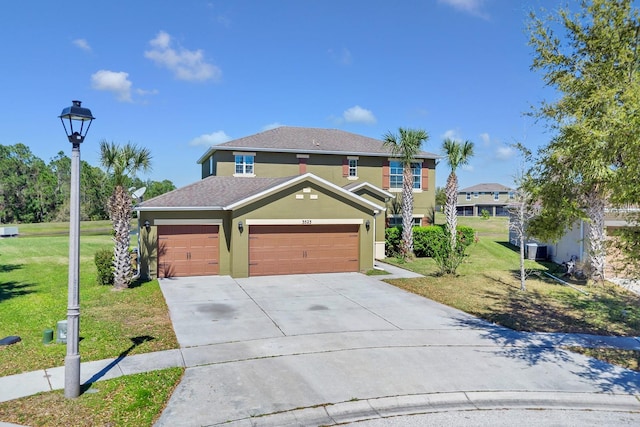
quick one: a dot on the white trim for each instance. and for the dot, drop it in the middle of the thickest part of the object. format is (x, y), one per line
(305, 221)
(244, 153)
(352, 178)
(353, 158)
(244, 175)
(373, 188)
(302, 156)
(186, 222)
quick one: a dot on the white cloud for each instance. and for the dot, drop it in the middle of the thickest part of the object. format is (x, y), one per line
(82, 44)
(452, 134)
(342, 56)
(144, 92)
(189, 65)
(272, 126)
(213, 138)
(116, 82)
(505, 152)
(358, 114)
(473, 7)
(486, 140)
(467, 168)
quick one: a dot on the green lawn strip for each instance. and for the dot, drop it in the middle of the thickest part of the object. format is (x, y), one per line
(133, 400)
(33, 297)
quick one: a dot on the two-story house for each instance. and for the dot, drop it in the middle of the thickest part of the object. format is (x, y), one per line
(284, 201)
(491, 197)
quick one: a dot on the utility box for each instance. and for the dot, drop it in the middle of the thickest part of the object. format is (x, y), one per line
(536, 251)
(8, 231)
(61, 329)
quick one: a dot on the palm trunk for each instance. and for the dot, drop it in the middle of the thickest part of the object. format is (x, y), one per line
(120, 212)
(407, 212)
(450, 209)
(597, 235)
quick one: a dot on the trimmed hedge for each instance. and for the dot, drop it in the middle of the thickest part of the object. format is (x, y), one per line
(425, 239)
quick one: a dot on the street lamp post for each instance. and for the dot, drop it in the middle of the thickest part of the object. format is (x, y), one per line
(78, 116)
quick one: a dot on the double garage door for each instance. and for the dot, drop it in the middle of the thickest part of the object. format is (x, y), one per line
(193, 250)
(299, 249)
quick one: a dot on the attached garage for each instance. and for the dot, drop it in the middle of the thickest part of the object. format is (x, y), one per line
(256, 227)
(300, 249)
(188, 250)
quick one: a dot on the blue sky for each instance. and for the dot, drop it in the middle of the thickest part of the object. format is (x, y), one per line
(176, 77)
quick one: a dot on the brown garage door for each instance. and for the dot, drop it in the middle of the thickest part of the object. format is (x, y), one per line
(298, 249)
(187, 250)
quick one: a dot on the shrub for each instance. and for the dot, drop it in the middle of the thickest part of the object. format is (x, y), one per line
(484, 214)
(392, 236)
(466, 235)
(104, 264)
(425, 239)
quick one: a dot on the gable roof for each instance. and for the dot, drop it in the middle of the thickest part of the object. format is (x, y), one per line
(228, 192)
(486, 188)
(355, 186)
(303, 140)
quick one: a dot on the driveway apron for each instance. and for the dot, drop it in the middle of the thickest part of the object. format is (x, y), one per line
(328, 348)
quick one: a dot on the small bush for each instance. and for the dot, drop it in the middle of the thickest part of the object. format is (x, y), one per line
(466, 235)
(484, 214)
(104, 264)
(425, 239)
(392, 236)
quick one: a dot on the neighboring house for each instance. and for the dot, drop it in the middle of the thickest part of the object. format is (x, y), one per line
(492, 197)
(573, 245)
(284, 201)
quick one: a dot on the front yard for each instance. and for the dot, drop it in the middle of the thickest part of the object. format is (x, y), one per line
(487, 286)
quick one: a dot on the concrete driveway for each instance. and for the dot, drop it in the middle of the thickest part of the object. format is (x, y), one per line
(337, 348)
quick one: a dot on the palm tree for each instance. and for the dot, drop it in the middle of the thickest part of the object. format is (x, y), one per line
(406, 147)
(123, 163)
(456, 154)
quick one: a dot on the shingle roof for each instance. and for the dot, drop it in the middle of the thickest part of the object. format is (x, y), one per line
(486, 188)
(309, 140)
(213, 192)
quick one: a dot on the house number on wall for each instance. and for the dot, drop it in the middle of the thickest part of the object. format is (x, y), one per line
(306, 222)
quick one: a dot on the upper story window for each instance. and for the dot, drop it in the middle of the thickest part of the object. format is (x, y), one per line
(395, 174)
(512, 195)
(476, 194)
(496, 196)
(353, 167)
(468, 196)
(244, 165)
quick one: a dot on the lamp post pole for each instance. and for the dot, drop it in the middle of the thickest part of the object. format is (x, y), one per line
(74, 114)
(72, 359)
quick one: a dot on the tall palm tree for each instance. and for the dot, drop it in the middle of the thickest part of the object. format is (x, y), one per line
(456, 154)
(405, 146)
(123, 163)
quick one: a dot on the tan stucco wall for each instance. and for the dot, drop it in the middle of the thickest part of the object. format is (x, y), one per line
(234, 246)
(149, 239)
(329, 167)
(285, 206)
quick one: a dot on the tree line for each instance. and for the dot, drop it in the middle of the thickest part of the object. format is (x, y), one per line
(32, 190)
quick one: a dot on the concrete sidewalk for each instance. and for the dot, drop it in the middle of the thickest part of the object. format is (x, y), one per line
(338, 348)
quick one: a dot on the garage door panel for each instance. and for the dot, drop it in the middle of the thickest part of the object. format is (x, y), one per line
(303, 249)
(188, 250)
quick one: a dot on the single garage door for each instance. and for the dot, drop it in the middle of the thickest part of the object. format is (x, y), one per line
(299, 249)
(187, 250)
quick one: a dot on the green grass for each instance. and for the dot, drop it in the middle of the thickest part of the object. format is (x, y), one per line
(33, 297)
(487, 286)
(134, 400)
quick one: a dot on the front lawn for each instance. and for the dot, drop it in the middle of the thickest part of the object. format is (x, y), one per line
(33, 298)
(487, 286)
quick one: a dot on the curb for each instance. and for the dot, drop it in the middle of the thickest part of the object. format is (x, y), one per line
(386, 407)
